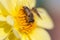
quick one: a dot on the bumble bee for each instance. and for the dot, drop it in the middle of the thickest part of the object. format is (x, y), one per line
(30, 14)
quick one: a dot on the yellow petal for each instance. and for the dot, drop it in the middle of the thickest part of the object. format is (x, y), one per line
(9, 20)
(8, 4)
(27, 3)
(11, 36)
(45, 20)
(19, 35)
(4, 29)
(4, 3)
(2, 18)
(3, 10)
(25, 37)
(39, 34)
(14, 3)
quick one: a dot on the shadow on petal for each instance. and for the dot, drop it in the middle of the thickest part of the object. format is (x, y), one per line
(39, 34)
(4, 29)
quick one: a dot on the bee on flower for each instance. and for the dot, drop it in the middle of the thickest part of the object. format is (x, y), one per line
(20, 20)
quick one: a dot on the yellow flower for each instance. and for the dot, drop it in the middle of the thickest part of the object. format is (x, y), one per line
(15, 25)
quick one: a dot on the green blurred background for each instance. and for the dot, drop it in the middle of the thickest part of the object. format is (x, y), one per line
(53, 9)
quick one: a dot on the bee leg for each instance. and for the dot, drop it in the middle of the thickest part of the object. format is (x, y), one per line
(35, 10)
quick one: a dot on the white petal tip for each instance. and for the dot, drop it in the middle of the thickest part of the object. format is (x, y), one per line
(10, 20)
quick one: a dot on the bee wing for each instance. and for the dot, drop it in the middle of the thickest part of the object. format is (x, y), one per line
(45, 21)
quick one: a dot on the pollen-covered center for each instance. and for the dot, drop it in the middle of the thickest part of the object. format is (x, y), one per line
(22, 20)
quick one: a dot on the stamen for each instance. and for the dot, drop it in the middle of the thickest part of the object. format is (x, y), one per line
(21, 18)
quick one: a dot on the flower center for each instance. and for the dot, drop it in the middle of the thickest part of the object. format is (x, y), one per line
(26, 23)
